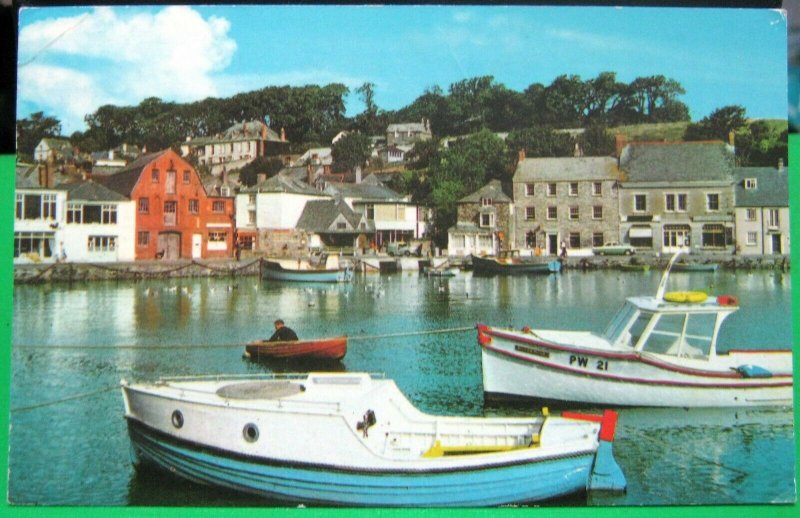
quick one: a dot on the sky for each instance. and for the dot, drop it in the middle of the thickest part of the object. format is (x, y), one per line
(72, 60)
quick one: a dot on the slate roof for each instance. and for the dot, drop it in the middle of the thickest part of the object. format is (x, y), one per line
(90, 191)
(27, 177)
(563, 169)
(772, 187)
(494, 190)
(284, 182)
(320, 215)
(677, 162)
(125, 180)
(363, 191)
(245, 130)
(416, 127)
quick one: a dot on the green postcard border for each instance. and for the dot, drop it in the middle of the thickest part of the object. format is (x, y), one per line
(7, 174)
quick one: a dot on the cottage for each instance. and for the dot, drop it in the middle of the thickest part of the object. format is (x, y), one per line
(571, 200)
(484, 222)
(677, 194)
(175, 217)
(57, 148)
(39, 215)
(408, 133)
(762, 211)
(332, 223)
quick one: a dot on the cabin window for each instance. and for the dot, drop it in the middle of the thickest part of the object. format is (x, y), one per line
(666, 334)
(620, 322)
(683, 335)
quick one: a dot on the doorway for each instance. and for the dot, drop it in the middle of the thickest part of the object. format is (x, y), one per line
(170, 244)
(197, 246)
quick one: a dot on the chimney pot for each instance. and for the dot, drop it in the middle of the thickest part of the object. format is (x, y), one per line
(621, 141)
(521, 155)
(780, 164)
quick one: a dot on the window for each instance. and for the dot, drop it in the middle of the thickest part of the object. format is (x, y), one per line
(109, 215)
(401, 212)
(574, 213)
(251, 217)
(530, 239)
(170, 212)
(144, 205)
(102, 243)
(217, 237)
(247, 242)
(170, 182)
(370, 211)
(682, 202)
(529, 190)
(187, 176)
(774, 218)
(154, 176)
(341, 225)
(487, 220)
(49, 206)
(750, 183)
(218, 206)
(597, 239)
(194, 206)
(712, 201)
(752, 238)
(669, 202)
(639, 202)
(39, 243)
(74, 213)
(574, 240)
(750, 215)
(530, 213)
(486, 202)
(551, 189)
(714, 236)
(552, 212)
(573, 188)
(142, 238)
(597, 188)
(597, 212)
(36, 206)
(675, 202)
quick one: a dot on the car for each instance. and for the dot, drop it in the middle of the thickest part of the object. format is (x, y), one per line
(403, 248)
(614, 248)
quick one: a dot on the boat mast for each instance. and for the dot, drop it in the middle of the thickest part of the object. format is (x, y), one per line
(662, 286)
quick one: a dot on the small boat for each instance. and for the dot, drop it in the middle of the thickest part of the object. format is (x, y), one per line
(430, 271)
(321, 348)
(323, 268)
(510, 262)
(658, 351)
(694, 267)
(352, 439)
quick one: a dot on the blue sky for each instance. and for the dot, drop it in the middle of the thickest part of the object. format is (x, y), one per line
(73, 60)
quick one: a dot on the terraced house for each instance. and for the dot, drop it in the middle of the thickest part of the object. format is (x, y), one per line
(570, 200)
(484, 222)
(762, 211)
(677, 194)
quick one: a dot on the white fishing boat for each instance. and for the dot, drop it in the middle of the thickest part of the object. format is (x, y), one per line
(658, 351)
(353, 439)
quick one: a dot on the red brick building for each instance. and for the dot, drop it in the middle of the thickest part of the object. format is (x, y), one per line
(175, 217)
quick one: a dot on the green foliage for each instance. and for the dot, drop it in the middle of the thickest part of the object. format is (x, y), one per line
(248, 175)
(471, 161)
(718, 125)
(350, 151)
(31, 130)
(422, 154)
(540, 142)
(597, 141)
(761, 143)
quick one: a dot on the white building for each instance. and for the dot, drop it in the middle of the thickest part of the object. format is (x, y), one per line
(39, 216)
(762, 211)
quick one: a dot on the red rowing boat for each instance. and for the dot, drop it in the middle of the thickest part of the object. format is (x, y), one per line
(320, 348)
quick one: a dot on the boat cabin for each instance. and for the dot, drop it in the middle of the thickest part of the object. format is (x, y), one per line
(681, 329)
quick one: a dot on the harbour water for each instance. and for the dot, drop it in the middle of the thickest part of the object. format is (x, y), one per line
(73, 344)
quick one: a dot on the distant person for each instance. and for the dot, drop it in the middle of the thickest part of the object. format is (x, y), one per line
(563, 249)
(282, 333)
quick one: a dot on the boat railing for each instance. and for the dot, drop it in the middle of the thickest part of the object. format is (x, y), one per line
(277, 376)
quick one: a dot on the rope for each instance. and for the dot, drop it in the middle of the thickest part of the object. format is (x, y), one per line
(62, 400)
(237, 345)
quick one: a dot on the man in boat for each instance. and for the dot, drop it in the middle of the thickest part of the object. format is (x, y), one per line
(282, 333)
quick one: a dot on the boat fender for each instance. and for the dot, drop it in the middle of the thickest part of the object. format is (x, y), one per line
(727, 300)
(483, 338)
(527, 330)
(367, 420)
(753, 371)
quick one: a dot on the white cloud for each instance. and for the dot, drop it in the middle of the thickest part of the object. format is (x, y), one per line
(122, 55)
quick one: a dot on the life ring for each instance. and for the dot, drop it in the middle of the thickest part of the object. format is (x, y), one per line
(685, 296)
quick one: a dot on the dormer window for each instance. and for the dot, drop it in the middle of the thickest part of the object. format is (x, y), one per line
(486, 202)
(750, 183)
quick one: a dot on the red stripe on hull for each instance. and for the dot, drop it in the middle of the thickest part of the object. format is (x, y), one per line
(330, 349)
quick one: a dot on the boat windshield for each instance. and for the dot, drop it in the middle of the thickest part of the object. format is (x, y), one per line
(682, 335)
(619, 323)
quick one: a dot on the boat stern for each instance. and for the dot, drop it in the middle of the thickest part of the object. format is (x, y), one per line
(606, 473)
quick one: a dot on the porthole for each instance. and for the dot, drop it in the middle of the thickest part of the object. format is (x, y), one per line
(250, 432)
(177, 419)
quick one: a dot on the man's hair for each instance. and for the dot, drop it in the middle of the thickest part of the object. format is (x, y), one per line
(279, 321)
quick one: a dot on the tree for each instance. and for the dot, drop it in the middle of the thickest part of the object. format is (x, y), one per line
(248, 175)
(540, 142)
(422, 154)
(31, 130)
(597, 141)
(718, 125)
(350, 151)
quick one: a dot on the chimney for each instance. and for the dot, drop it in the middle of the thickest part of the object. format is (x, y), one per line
(521, 155)
(263, 131)
(358, 174)
(283, 135)
(310, 174)
(780, 164)
(731, 139)
(621, 141)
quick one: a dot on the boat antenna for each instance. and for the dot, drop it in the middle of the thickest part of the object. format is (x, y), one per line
(662, 286)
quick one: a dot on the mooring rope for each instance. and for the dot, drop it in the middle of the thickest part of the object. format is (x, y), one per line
(63, 400)
(236, 345)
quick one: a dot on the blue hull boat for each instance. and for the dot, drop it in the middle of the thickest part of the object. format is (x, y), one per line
(348, 439)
